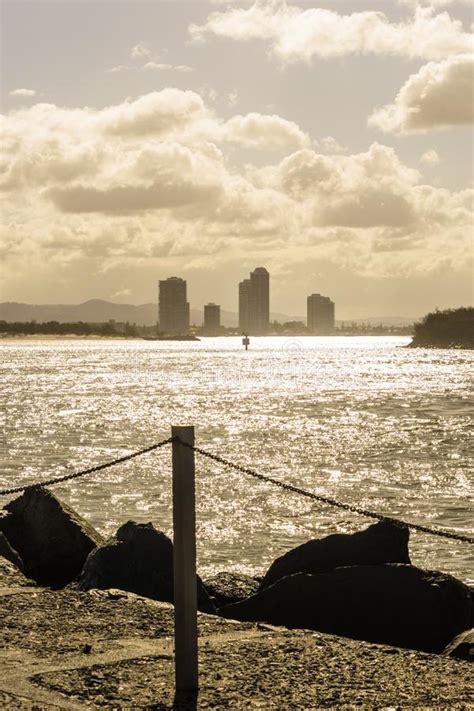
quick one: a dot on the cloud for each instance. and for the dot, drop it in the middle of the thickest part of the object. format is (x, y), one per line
(439, 95)
(118, 69)
(23, 92)
(152, 114)
(128, 199)
(297, 34)
(141, 51)
(158, 67)
(430, 157)
(256, 130)
(363, 190)
(329, 145)
(159, 178)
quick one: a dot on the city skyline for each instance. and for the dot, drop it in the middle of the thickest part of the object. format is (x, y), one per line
(254, 308)
(330, 141)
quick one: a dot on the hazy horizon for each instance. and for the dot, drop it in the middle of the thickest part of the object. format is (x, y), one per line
(330, 142)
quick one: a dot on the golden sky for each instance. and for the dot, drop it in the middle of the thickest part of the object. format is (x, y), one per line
(328, 141)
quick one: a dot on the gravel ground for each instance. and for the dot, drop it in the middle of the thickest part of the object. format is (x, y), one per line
(113, 650)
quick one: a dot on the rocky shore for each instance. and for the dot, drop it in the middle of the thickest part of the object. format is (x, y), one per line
(103, 637)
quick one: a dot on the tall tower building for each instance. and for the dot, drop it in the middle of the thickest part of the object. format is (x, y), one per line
(321, 315)
(254, 303)
(173, 308)
(244, 302)
(212, 319)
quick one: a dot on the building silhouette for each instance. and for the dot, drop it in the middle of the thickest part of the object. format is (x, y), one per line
(244, 301)
(212, 319)
(173, 308)
(321, 314)
(254, 303)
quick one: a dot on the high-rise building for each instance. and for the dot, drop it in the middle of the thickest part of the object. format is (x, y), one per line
(212, 319)
(320, 315)
(173, 308)
(244, 301)
(254, 302)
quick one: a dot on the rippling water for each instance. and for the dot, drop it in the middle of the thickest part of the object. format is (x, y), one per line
(362, 420)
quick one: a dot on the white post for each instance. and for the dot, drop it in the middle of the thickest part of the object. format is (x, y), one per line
(184, 561)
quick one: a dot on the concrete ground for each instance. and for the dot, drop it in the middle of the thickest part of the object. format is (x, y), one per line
(114, 650)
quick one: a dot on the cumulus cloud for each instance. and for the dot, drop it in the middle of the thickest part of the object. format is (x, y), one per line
(440, 94)
(363, 190)
(329, 145)
(25, 93)
(126, 199)
(257, 130)
(155, 178)
(430, 157)
(297, 34)
(152, 114)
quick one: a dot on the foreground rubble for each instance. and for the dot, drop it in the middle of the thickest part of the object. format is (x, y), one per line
(109, 649)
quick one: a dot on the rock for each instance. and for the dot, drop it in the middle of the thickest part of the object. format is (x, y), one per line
(9, 553)
(11, 577)
(52, 540)
(462, 646)
(382, 542)
(226, 588)
(138, 559)
(394, 604)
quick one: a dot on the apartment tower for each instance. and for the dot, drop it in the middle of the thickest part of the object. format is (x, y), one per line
(254, 303)
(173, 308)
(212, 319)
(321, 315)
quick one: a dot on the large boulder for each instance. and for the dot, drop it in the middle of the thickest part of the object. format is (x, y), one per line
(51, 539)
(138, 559)
(462, 646)
(226, 588)
(391, 604)
(382, 542)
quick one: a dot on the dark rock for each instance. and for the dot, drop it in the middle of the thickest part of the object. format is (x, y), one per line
(462, 646)
(52, 540)
(138, 559)
(9, 553)
(226, 588)
(382, 542)
(391, 604)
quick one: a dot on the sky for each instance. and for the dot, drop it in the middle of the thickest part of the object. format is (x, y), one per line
(330, 142)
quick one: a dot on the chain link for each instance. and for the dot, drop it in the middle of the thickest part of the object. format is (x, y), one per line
(326, 499)
(250, 472)
(91, 470)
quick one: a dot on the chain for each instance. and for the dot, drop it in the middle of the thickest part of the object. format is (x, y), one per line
(326, 499)
(91, 470)
(250, 472)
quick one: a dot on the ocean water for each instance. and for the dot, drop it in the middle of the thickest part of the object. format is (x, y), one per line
(362, 420)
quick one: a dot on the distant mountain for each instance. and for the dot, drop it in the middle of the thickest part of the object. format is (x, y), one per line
(100, 311)
(93, 311)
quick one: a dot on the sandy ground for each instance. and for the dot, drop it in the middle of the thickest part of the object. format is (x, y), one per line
(114, 650)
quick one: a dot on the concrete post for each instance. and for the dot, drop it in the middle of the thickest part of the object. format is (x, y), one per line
(184, 552)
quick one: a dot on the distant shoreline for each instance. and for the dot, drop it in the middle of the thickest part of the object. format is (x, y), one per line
(91, 337)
